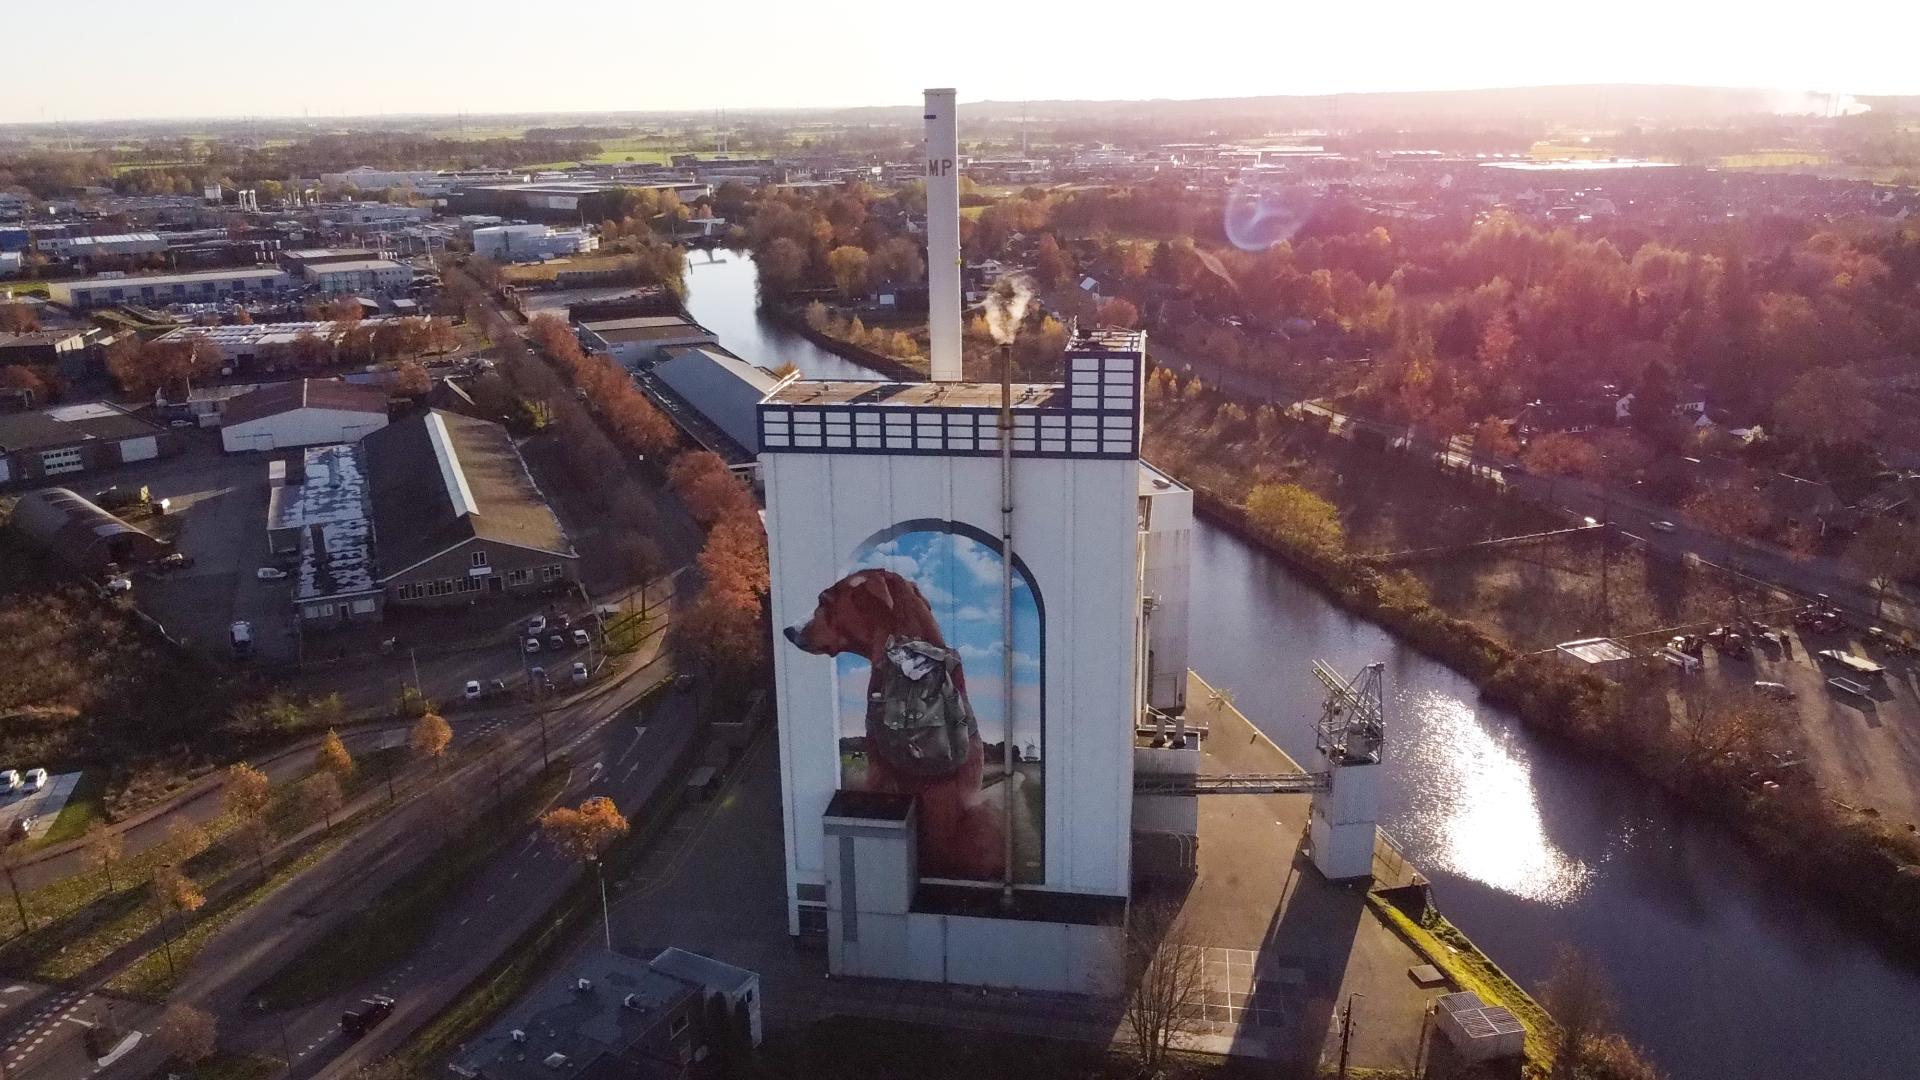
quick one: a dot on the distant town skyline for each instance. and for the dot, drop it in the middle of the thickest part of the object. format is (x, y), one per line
(485, 57)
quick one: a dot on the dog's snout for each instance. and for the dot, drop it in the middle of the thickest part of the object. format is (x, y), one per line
(793, 634)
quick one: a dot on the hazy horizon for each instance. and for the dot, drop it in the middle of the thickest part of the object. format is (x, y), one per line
(438, 58)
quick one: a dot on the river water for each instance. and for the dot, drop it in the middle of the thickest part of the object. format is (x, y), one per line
(1720, 971)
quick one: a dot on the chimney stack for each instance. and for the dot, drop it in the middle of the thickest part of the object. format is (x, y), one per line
(943, 235)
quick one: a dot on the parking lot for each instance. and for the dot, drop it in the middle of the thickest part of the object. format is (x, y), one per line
(218, 507)
(41, 806)
(1864, 748)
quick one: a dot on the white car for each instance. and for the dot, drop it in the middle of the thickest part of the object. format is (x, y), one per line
(119, 583)
(1662, 526)
(580, 637)
(533, 644)
(9, 781)
(472, 692)
(269, 573)
(36, 779)
(536, 625)
(579, 672)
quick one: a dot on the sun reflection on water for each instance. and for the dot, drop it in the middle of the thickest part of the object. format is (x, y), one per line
(1473, 810)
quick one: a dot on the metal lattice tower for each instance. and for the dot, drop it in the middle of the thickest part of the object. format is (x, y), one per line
(1353, 719)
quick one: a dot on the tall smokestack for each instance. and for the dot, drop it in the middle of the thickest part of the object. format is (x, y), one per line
(943, 235)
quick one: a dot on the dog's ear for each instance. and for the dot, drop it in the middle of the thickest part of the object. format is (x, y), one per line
(874, 588)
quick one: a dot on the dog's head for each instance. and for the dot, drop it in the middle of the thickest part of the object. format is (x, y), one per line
(856, 613)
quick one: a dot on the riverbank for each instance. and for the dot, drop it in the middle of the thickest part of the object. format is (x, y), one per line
(1870, 870)
(885, 365)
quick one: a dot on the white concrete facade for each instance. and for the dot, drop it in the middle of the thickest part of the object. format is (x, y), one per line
(1076, 530)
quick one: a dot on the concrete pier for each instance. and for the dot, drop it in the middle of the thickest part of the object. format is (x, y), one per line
(1287, 947)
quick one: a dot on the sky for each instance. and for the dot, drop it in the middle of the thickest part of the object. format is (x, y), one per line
(354, 57)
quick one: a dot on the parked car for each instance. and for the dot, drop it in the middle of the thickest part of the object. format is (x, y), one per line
(119, 583)
(9, 781)
(496, 688)
(240, 636)
(180, 423)
(533, 644)
(537, 677)
(581, 637)
(21, 826)
(579, 673)
(1662, 526)
(1774, 690)
(270, 573)
(36, 779)
(472, 692)
(364, 1014)
(537, 624)
(175, 560)
(557, 642)
(683, 682)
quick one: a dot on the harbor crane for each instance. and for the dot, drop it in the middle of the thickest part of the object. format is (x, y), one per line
(1350, 737)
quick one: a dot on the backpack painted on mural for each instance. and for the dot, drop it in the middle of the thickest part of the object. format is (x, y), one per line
(920, 723)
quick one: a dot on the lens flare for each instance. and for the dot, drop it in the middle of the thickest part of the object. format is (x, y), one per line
(1258, 217)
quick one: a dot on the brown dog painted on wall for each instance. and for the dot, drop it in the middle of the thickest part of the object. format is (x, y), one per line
(959, 832)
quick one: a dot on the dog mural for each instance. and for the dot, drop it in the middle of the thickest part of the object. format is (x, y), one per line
(921, 736)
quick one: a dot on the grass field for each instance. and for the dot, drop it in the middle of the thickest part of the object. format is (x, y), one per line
(24, 287)
(1773, 159)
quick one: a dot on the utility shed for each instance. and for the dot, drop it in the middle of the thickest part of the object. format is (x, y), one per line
(81, 534)
(1478, 1031)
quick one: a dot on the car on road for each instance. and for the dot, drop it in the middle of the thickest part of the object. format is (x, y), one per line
(35, 779)
(472, 692)
(579, 673)
(533, 644)
(9, 781)
(581, 638)
(176, 560)
(361, 1016)
(270, 573)
(537, 625)
(1662, 526)
(537, 677)
(180, 423)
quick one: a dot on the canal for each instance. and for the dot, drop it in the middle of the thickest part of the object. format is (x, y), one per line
(1720, 972)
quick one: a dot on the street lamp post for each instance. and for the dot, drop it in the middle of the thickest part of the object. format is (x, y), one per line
(606, 914)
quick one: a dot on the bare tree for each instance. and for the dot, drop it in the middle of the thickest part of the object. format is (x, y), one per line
(246, 797)
(1577, 996)
(104, 847)
(184, 840)
(174, 893)
(1166, 983)
(189, 1035)
(320, 797)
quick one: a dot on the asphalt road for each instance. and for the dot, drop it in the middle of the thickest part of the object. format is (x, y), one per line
(624, 761)
(262, 938)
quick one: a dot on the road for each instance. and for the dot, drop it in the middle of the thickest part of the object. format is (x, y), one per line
(253, 946)
(1633, 517)
(622, 761)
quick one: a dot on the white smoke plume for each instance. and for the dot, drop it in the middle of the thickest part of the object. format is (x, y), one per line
(1006, 306)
